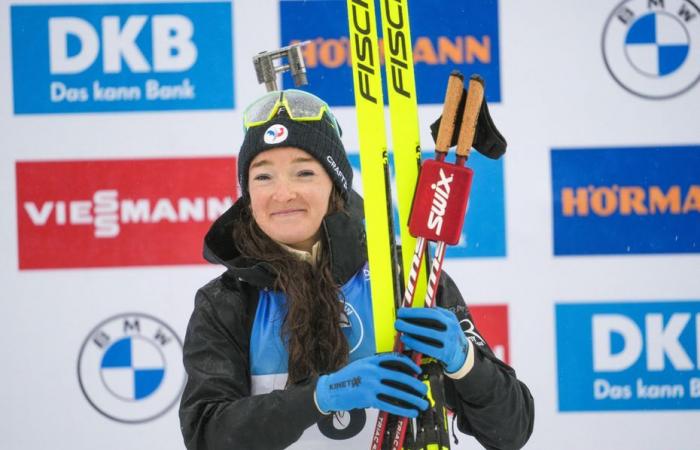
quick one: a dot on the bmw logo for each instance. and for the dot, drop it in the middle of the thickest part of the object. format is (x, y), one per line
(130, 368)
(651, 48)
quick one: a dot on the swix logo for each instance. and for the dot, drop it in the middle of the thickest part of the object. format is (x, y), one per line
(439, 44)
(110, 57)
(106, 211)
(629, 356)
(441, 195)
(119, 213)
(642, 200)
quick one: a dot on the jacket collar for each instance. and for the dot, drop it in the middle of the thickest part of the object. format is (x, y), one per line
(344, 233)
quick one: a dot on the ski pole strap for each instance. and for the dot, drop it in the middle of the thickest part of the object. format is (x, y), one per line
(432, 432)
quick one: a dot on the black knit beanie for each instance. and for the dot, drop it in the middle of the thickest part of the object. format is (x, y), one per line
(319, 138)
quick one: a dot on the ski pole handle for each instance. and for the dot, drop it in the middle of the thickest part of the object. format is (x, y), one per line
(455, 85)
(475, 95)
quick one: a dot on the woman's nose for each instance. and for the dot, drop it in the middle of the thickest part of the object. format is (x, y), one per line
(284, 191)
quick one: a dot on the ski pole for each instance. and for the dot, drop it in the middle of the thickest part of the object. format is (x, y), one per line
(454, 92)
(450, 185)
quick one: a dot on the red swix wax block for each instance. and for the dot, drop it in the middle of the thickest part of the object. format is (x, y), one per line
(440, 201)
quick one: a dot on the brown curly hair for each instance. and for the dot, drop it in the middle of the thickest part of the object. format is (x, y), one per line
(315, 305)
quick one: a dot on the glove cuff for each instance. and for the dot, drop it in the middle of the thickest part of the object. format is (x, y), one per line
(320, 395)
(467, 366)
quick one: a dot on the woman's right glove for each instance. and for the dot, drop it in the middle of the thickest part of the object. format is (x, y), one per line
(385, 382)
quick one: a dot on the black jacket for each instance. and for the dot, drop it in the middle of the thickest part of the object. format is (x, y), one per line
(217, 410)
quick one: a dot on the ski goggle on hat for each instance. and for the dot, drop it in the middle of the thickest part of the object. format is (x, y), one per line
(299, 106)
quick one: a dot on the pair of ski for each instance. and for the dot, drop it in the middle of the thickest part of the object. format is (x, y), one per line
(441, 193)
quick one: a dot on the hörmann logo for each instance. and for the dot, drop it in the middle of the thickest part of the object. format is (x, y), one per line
(79, 58)
(119, 213)
(628, 356)
(440, 45)
(605, 201)
(641, 200)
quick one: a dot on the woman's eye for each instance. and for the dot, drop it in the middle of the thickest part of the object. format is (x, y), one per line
(306, 173)
(262, 177)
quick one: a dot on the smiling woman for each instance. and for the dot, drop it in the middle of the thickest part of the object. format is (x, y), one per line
(280, 349)
(289, 192)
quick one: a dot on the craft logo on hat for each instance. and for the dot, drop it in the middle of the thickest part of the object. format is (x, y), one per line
(130, 368)
(275, 134)
(648, 47)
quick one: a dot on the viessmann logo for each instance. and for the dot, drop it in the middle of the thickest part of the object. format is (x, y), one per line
(121, 57)
(119, 213)
(626, 200)
(628, 356)
(440, 44)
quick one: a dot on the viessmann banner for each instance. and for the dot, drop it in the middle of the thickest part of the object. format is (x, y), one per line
(108, 213)
(121, 57)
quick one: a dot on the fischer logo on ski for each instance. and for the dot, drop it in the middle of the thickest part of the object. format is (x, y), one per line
(364, 50)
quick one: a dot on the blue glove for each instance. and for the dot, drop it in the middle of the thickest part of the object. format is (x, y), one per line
(434, 332)
(385, 382)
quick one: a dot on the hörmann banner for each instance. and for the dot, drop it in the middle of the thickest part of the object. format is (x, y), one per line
(121, 57)
(626, 200)
(628, 356)
(458, 34)
(109, 213)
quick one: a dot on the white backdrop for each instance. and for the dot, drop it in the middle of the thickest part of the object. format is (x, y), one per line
(555, 93)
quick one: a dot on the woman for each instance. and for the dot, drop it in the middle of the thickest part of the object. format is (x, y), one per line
(280, 348)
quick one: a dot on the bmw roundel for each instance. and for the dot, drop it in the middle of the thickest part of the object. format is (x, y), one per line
(652, 48)
(130, 368)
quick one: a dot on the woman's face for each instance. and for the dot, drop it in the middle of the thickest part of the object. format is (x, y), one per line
(289, 194)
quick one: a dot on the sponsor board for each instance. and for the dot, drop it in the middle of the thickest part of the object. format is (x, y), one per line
(628, 356)
(130, 368)
(492, 321)
(459, 34)
(108, 213)
(652, 48)
(626, 200)
(121, 57)
(484, 232)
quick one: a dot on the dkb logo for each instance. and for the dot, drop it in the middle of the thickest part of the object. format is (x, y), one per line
(628, 356)
(78, 58)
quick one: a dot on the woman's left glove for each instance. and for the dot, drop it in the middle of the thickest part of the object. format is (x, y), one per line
(434, 332)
